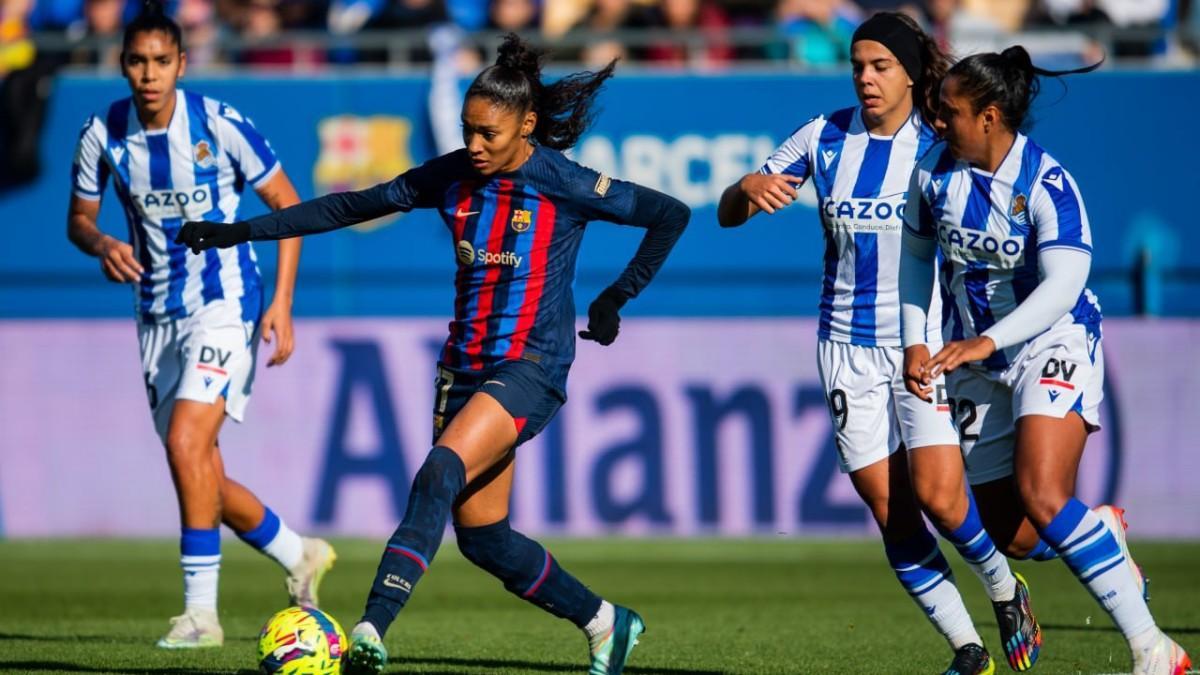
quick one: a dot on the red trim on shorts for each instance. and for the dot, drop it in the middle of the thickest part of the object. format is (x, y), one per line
(519, 423)
(205, 366)
(1057, 383)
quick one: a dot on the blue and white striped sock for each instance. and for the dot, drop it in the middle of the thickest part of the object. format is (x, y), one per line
(1041, 552)
(276, 540)
(976, 548)
(200, 557)
(926, 575)
(1093, 554)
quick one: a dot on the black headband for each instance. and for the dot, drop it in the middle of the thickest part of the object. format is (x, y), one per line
(894, 34)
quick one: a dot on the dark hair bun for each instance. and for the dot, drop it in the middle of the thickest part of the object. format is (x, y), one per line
(516, 54)
(1017, 56)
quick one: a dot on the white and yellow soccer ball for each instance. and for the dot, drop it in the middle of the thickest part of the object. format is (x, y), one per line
(301, 640)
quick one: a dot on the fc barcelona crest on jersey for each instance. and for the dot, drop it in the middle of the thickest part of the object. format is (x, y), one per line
(1018, 209)
(203, 154)
(521, 220)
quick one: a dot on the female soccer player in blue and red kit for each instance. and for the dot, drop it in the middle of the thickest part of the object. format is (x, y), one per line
(517, 209)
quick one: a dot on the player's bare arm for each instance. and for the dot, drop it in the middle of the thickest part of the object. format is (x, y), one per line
(279, 193)
(116, 257)
(756, 192)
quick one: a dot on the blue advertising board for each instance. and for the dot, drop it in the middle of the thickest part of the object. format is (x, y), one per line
(687, 135)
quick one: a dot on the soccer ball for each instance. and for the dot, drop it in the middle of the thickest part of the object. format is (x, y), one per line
(301, 640)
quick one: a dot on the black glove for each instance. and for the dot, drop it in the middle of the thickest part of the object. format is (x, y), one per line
(604, 322)
(201, 235)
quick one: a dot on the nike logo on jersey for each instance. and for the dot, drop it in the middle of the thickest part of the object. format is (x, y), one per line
(463, 214)
(829, 156)
(117, 153)
(1054, 178)
(1054, 395)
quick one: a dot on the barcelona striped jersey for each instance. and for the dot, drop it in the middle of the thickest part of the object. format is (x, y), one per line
(516, 238)
(195, 169)
(990, 228)
(861, 180)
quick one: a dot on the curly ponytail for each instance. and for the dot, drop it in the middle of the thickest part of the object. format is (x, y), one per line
(153, 17)
(934, 64)
(1008, 80)
(564, 109)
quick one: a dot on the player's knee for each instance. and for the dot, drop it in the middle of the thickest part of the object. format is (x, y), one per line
(186, 448)
(879, 510)
(941, 500)
(442, 471)
(485, 546)
(1042, 501)
(900, 521)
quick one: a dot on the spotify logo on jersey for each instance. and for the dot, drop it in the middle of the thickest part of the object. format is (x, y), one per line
(468, 255)
(466, 252)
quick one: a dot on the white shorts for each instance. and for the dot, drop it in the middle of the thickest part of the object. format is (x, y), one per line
(209, 354)
(872, 411)
(1058, 372)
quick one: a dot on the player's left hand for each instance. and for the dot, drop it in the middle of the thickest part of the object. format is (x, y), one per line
(604, 318)
(916, 373)
(199, 235)
(278, 320)
(959, 352)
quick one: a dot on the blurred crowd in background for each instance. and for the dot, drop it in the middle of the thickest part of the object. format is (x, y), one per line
(708, 34)
(40, 37)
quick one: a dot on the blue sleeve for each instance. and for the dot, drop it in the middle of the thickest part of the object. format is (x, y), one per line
(421, 187)
(664, 218)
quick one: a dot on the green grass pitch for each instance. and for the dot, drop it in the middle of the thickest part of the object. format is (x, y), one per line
(711, 606)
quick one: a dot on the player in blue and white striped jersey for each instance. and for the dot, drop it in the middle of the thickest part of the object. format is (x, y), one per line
(860, 160)
(173, 155)
(1023, 343)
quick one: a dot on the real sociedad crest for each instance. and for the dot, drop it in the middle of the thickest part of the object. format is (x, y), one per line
(203, 154)
(358, 152)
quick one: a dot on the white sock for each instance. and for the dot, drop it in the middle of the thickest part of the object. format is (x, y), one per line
(200, 577)
(1091, 550)
(276, 540)
(925, 574)
(601, 625)
(200, 558)
(1144, 640)
(975, 546)
(944, 606)
(287, 548)
(365, 628)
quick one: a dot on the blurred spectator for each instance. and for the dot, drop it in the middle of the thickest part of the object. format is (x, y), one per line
(100, 31)
(600, 25)
(24, 87)
(262, 28)
(960, 31)
(201, 32)
(16, 49)
(819, 31)
(1144, 19)
(414, 14)
(54, 15)
(691, 15)
(1006, 15)
(514, 15)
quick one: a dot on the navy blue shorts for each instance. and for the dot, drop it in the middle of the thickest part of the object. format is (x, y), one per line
(521, 387)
